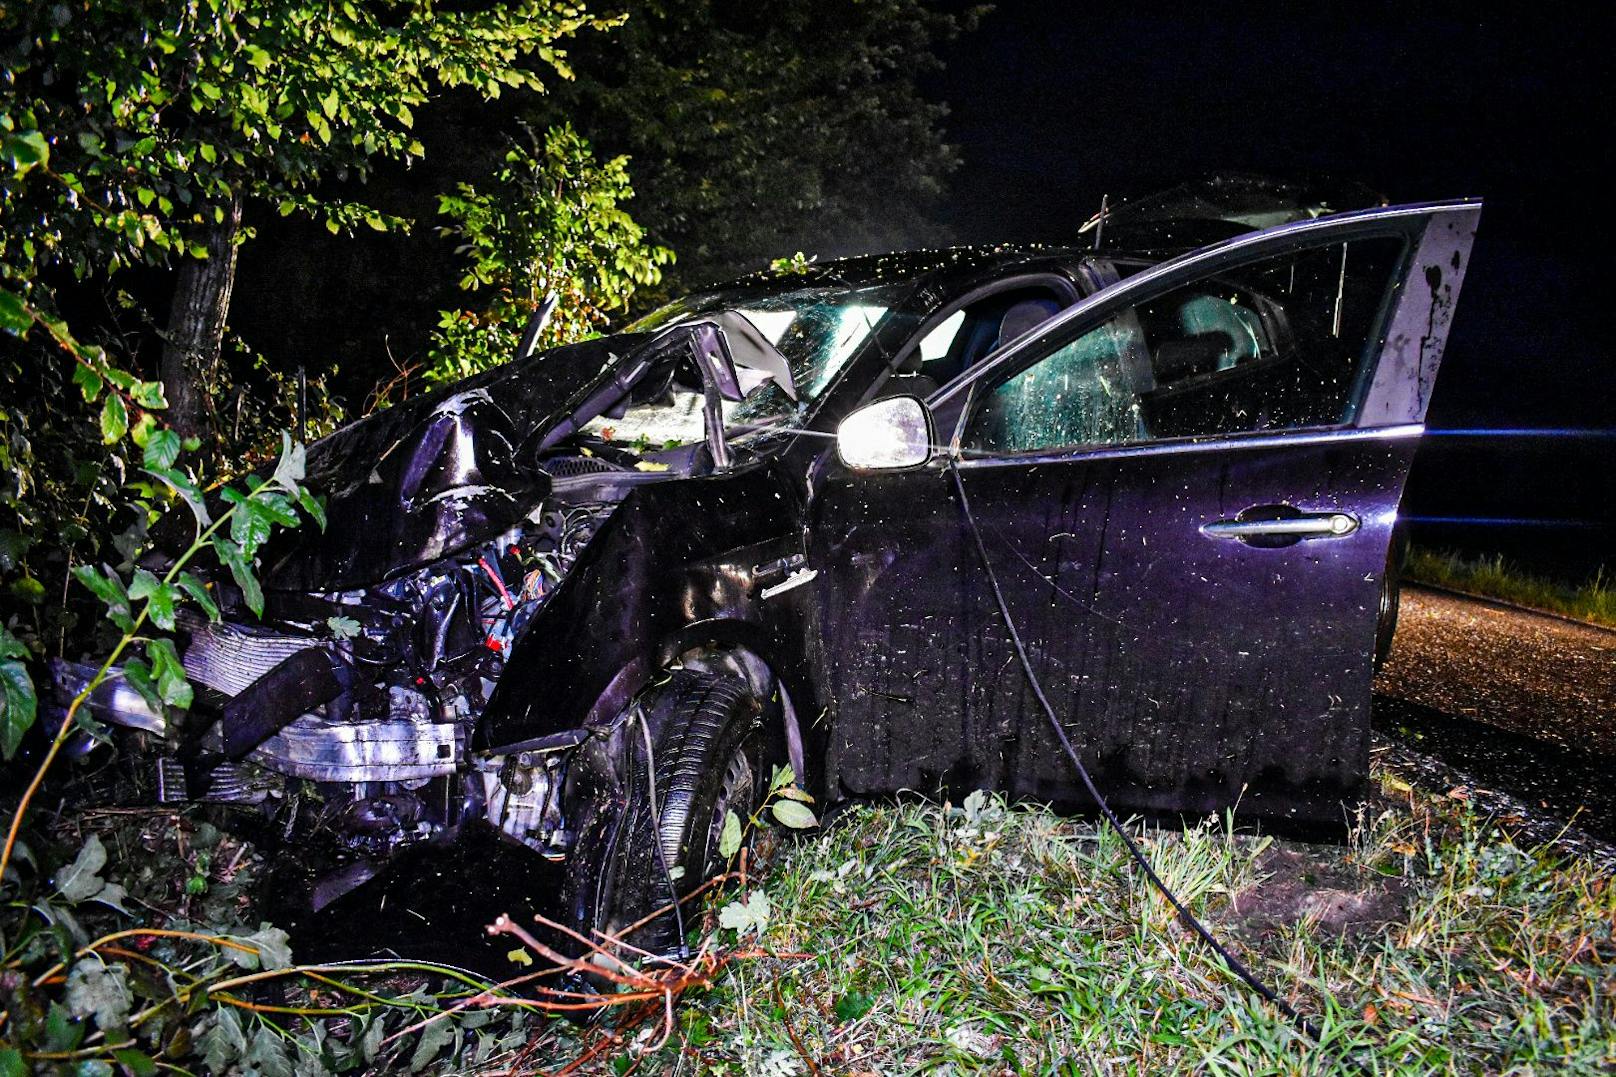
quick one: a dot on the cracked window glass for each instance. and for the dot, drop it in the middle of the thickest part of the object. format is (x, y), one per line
(817, 329)
(1275, 345)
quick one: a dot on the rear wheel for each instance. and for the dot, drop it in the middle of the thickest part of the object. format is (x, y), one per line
(1391, 595)
(662, 839)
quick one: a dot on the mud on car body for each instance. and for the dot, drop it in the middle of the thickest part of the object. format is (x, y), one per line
(589, 598)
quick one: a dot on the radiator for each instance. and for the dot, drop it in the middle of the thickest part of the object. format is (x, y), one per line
(228, 657)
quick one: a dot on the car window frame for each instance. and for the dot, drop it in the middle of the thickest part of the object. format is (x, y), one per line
(1406, 222)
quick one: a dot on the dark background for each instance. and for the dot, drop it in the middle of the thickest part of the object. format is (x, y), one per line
(1055, 105)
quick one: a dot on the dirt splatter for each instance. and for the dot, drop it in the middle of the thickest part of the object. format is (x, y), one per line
(1318, 890)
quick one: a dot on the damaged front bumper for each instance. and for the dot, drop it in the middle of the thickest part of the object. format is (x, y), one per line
(305, 746)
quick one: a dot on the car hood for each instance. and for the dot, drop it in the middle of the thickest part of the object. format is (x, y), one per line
(420, 480)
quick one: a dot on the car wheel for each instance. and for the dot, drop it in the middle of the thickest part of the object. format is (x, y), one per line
(1391, 593)
(705, 760)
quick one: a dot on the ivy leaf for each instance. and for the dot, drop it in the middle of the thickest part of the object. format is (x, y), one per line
(729, 840)
(792, 814)
(273, 951)
(81, 880)
(342, 627)
(742, 916)
(100, 990)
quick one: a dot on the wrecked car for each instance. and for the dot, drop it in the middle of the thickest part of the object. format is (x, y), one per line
(592, 597)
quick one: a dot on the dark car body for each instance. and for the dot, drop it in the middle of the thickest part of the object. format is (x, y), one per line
(1187, 472)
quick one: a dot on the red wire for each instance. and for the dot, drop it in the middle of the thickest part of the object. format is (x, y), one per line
(505, 595)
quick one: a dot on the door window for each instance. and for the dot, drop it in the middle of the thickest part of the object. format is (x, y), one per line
(1274, 345)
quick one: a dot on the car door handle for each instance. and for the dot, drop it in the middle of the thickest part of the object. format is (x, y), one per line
(1282, 522)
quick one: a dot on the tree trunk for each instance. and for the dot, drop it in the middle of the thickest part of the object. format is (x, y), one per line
(196, 323)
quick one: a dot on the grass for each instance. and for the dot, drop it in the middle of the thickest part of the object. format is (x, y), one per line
(997, 940)
(1493, 577)
(914, 938)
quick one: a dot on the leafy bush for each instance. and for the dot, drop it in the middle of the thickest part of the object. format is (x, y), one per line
(552, 223)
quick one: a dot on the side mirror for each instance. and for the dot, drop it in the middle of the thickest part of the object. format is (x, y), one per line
(889, 434)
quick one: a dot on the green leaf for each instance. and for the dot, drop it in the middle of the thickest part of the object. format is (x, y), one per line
(19, 704)
(290, 467)
(11, 1063)
(311, 506)
(342, 627)
(14, 313)
(748, 915)
(160, 605)
(782, 777)
(105, 585)
(89, 382)
(729, 840)
(138, 1063)
(182, 485)
(249, 527)
(114, 419)
(242, 573)
(62, 1033)
(792, 814)
(81, 880)
(149, 394)
(24, 151)
(433, 1039)
(271, 949)
(138, 675)
(162, 450)
(172, 687)
(99, 990)
(199, 593)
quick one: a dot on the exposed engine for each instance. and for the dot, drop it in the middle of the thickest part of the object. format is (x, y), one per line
(347, 711)
(349, 714)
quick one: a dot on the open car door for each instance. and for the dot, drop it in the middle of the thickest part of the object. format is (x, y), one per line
(1187, 485)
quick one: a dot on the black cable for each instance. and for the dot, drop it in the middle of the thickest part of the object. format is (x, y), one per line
(656, 836)
(1185, 916)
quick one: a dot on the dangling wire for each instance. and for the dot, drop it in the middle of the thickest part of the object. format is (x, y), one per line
(1186, 917)
(656, 834)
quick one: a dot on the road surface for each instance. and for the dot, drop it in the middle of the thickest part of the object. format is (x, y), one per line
(1517, 702)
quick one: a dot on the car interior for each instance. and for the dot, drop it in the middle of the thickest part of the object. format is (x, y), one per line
(974, 331)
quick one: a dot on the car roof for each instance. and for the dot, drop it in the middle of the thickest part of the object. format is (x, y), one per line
(931, 266)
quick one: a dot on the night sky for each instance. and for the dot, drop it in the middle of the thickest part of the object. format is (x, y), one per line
(1054, 106)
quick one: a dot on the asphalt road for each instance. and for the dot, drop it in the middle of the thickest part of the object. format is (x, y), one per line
(1514, 701)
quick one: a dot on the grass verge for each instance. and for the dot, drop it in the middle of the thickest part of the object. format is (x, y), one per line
(1493, 577)
(988, 939)
(922, 938)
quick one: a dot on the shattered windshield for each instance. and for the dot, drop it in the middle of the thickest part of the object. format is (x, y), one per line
(817, 329)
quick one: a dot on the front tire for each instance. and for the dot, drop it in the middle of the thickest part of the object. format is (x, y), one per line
(705, 760)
